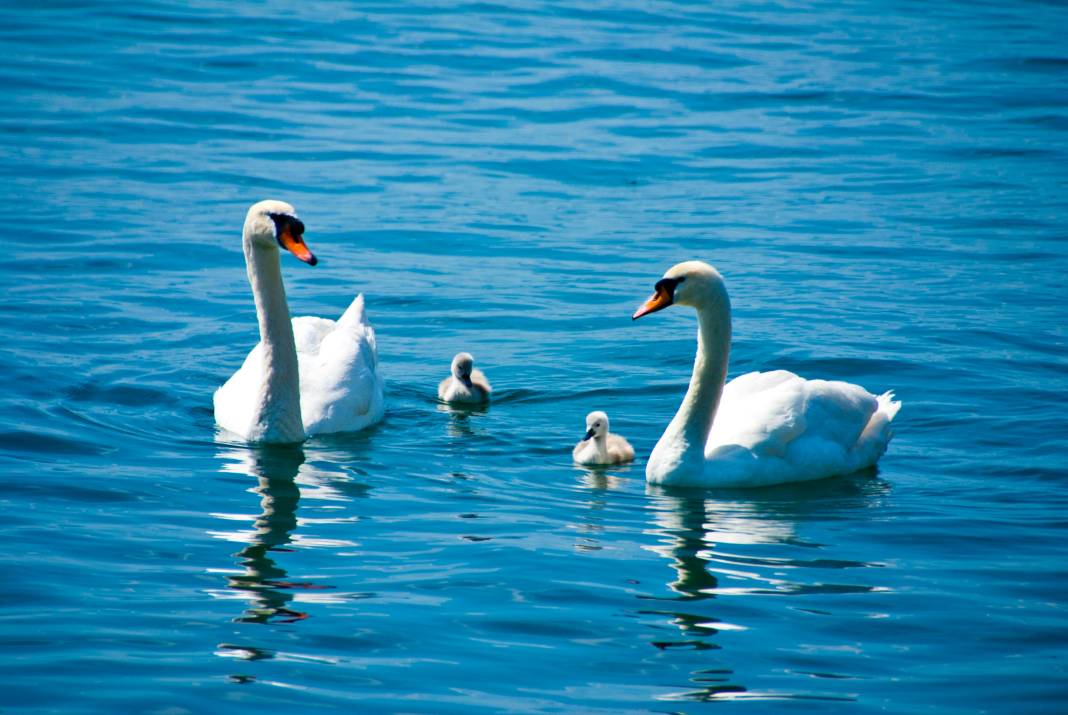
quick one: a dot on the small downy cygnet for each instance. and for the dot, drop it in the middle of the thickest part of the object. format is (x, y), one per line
(599, 446)
(465, 384)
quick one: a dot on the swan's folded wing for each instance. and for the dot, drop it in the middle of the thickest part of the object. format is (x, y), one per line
(761, 412)
(341, 390)
(838, 411)
(309, 332)
(775, 427)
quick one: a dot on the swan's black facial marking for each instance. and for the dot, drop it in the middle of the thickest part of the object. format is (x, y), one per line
(283, 221)
(667, 287)
(289, 232)
(663, 296)
(589, 433)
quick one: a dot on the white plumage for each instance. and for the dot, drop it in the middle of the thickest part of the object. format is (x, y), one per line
(775, 427)
(761, 428)
(340, 387)
(306, 376)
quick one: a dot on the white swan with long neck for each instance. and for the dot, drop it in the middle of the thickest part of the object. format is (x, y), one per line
(762, 428)
(307, 375)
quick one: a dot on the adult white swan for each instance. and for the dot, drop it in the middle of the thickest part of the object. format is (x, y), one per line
(762, 428)
(306, 376)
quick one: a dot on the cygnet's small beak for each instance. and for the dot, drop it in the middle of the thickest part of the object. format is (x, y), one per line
(290, 238)
(589, 433)
(663, 296)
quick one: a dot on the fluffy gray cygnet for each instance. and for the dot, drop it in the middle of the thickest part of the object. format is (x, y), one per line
(465, 384)
(599, 446)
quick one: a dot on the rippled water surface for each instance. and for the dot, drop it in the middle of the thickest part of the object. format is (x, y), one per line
(884, 186)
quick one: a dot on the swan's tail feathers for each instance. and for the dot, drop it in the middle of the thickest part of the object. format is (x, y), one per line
(355, 314)
(888, 405)
(355, 323)
(876, 435)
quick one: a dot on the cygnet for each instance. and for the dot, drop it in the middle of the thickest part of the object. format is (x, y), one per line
(599, 446)
(465, 384)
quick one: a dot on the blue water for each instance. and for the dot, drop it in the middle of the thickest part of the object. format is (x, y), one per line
(884, 186)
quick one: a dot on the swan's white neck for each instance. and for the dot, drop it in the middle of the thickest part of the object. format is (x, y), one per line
(681, 449)
(276, 417)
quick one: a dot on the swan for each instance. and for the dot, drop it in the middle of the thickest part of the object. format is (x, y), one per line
(600, 446)
(764, 427)
(465, 384)
(306, 376)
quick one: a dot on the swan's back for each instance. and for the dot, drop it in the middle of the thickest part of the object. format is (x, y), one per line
(777, 427)
(340, 387)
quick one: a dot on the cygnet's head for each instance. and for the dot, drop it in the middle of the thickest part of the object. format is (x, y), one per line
(596, 425)
(270, 224)
(462, 365)
(692, 283)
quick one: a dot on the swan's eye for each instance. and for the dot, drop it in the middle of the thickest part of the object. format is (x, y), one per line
(667, 285)
(296, 226)
(680, 279)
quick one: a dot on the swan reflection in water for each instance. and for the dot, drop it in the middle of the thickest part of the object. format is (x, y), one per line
(706, 539)
(261, 581)
(688, 525)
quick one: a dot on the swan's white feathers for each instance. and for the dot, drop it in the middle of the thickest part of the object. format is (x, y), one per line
(340, 388)
(234, 408)
(774, 427)
(758, 411)
(888, 405)
(764, 427)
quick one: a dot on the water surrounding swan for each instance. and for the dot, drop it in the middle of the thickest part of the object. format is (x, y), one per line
(306, 376)
(600, 446)
(882, 184)
(762, 428)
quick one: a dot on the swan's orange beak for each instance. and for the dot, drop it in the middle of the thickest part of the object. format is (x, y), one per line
(293, 242)
(663, 296)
